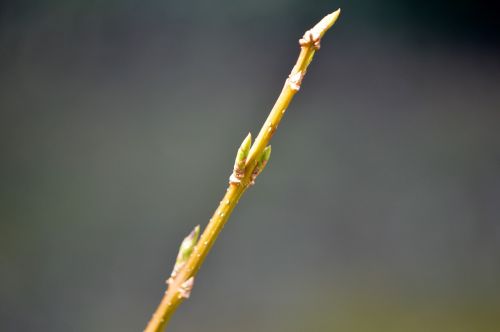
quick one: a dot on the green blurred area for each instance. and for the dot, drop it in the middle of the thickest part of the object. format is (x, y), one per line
(378, 211)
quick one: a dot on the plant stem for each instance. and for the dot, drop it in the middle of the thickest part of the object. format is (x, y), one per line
(180, 283)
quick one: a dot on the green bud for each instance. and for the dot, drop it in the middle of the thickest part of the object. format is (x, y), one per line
(243, 151)
(264, 158)
(187, 246)
(247, 144)
(266, 154)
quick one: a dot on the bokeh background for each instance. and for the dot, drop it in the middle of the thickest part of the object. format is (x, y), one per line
(379, 210)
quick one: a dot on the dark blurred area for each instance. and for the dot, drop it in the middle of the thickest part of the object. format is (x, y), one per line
(380, 207)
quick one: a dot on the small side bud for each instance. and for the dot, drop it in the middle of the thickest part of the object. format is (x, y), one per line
(187, 245)
(264, 158)
(267, 153)
(261, 163)
(185, 251)
(241, 158)
(246, 144)
(242, 154)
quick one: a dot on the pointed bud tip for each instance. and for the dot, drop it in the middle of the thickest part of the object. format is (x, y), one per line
(190, 241)
(334, 16)
(267, 153)
(195, 233)
(242, 153)
(247, 143)
(264, 158)
(326, 23)
(187, 247)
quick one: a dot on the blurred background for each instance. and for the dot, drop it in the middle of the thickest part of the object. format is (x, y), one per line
(379, 210)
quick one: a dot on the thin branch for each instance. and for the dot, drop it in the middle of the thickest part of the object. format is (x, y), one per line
(250, 161)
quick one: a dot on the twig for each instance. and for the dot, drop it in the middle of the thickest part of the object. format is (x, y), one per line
(250, 161)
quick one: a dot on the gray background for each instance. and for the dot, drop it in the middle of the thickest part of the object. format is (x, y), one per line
(379, 209)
